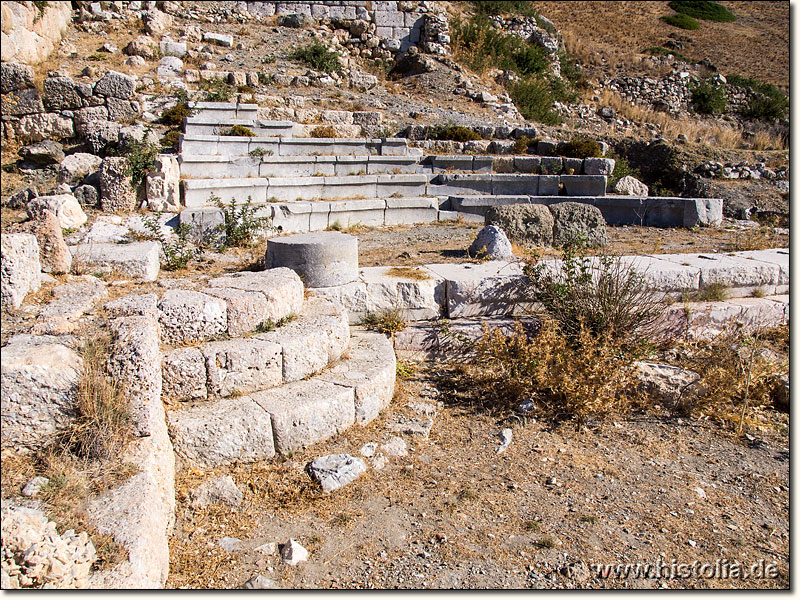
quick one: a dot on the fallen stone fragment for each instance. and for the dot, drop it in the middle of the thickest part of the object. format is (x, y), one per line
(222, 490)
(293, 553)
(369, 449)
(395, 446)
(34, 486)
(269, 548)
(505, 440)
(412, 426)
(259, 582)
(335, 470)
(231, 544)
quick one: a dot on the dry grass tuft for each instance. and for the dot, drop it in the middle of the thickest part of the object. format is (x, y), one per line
(389, 320)
(408, 273)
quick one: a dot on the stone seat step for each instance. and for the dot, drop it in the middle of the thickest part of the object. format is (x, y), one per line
(300, 217)
(256, 426)
(652, 211)
(217, 166)
(204, 125)
(242, 146)
(230, 305)
(695, 320)
(198, 192)
(552, 165)
(316, 336)
(138, 260)
(224, 110)
(499, 184)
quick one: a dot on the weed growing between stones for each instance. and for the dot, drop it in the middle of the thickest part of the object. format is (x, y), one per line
(324, 131)
(238, 131)
(708, 99)
(389, 320)
(582, 147)
(270, 325)
(241, 226)
(141, 158)
(408, 273)
(405, 370)
(713, 292)
(178, 250)
(317, 56)
(259, 152)
(215, 90)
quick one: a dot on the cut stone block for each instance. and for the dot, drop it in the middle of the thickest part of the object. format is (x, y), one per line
(321, 259)
(355, 186)
(184, 376)
(242, 366)
(370, 369)
(418, 291)
(401, 185)
(246, 310)
(222, 432)
(504, 184)
(305, 412)
(72, 300)
(39, 387)
(527, 164)
(777, 256)
(290, 189)
(548, 185)
(186, 316)
(584, 185)
(281, 287)
(598, 166)
(21, 268)
(200, 192)
(490, 288)
(291, 217)
(407, 211)
(204, 223)
(352, 296)
(741, 275)
(316, 338)
(369, 212)
(138, 260)
(143, 305)
(709, 319)
(665, 276)
(336, 470)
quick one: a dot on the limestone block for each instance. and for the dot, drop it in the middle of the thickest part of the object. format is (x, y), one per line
(418, 291)
(162, 186)
(403, 211)
(76, 167)
(598, 166)
(305, 412)
(116, 192)
(777, 256)
(738, 273)
(282, 289)
(21, 102)
(221, 432)
(335, 470)
(43, 126)
(242, 366)
(39, 386)
(321, 259)
(184, 374)
(187, 316)
(65, 207)
(246, 310)
(60, 93)
(116, 85)
(584, 185)
(139, 260)
(665, 276)
(145, 305)
(72, 300)
(21, 268)
(352, 296)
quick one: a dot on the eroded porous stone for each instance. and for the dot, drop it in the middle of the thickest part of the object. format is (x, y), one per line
(669, 385)
(144, 305)
(574, 221)
(222, 490)
(137, 260)
(54, 255)
(184, 374)
(492, 243)
(630, 186)
(162, 185)
(116, 192)
(66, 208)
(335, 470)
(21, 268)
(242, 366)
(321, 259)
(281, 288)
(39, 386)
(186, 316)
(76, 167)
(529, 224)
(221, 432)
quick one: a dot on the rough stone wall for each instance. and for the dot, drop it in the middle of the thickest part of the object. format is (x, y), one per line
(28, 35)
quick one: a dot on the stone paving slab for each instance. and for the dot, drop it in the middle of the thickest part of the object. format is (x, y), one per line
(137, 260)
(740, 274)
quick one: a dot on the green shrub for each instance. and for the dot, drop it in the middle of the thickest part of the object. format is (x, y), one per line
(241, 225)
(317, 56)
(177, 251)
(701, 9)
(534, 100)
(141, 158)
(602, 295)
(523, 144)
(389, 320)
(768, 103)
(215, 90)
(661, 51)
(507, 7)
(175, 115)
(455, 133)
(238, 131)
(708, 99)
(324, 131)
(681, 21)
(257, 152)
(582, 147)
(171, 139)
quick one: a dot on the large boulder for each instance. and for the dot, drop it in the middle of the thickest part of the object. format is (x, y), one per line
(142, 46)
(574, 221)
(490, 243)
(527, 224)
(39, 383)
(61, 93)
(44, 153)
(54, 255)
(76, 167)
(20, 272)
(15, 77)
(116, 190)
(630, 186)
(116, 85)
(156, 22)
(66, 208)
(43, 126)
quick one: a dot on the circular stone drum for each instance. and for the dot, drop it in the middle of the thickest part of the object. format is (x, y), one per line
(321, 259)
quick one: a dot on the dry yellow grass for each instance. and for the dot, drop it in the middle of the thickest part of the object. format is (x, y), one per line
(408, 273)
(713, 133)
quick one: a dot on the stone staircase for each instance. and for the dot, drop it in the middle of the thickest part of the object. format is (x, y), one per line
(309, 184)
(252, 368)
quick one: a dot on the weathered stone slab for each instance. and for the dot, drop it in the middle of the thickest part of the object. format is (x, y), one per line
(777, 256)
(246, 309)
(305, 412)
(242, 366)
(201, 192)
(184, 375)
(418, 291)
(352, 296)
(138, 260)
(407, 211)
(281, 287)
(584, 185)
(72, 300)
(740, 274)
(221, 432)
(39, 386)
(144, 305)
(708, 319)
(370, 369)
(490, 288)
(663, 275)
(335, 470)
(321, 259)
(368, 212)
(21, 268)
(186, 316)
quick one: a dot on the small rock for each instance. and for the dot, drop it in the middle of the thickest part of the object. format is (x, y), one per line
(335, 470)
(505, 440)
(293, 553)
(378, 461)
(395, 446)
(423, 408)
(412, 426)
(369, 449)
(231, 544)
(34, 486)
(700, 492)
(269, 548)
(221, 490)
(692, 543)
(259, 582)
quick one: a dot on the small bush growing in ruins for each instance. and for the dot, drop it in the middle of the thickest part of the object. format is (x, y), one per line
(177, 250)
(215, 90)
(141, 158)
(102, 419)
(242, 225)
(622, 168)
(681, 21)
(600, 295)
(257, 152)
(238, 130)
(708, 99)
(324, 131)
(703, 9)
(390, 320)
(582, 147)
(175, 115)
(455, 133)
(524, 144)
(534, 99)
(171, 139)
(504, 7)
(317, 56)
(270, 325)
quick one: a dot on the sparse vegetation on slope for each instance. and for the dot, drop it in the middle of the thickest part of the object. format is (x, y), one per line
(702, 9)
(681, 21)
(317, 56)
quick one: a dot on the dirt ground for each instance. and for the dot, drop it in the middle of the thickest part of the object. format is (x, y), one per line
(454, 513)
